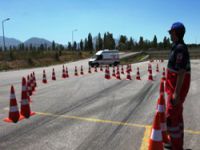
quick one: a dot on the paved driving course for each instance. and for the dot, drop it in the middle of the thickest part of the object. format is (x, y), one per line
(89, 112)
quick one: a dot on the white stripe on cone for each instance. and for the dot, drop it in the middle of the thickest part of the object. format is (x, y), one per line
(13, 109)
(156, 135)
(24, 102)
(161, 108)
(12, 96)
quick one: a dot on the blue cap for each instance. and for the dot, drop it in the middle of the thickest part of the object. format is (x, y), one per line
(178, 27)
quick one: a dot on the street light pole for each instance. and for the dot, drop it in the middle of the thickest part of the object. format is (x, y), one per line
(4, 43)
(73, 36)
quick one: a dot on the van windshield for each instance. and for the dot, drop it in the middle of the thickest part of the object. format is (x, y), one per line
(97, 57)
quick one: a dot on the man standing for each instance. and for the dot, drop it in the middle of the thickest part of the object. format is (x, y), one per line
(177, 86)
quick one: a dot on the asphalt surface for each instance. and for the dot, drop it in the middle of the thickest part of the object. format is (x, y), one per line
(89, 112)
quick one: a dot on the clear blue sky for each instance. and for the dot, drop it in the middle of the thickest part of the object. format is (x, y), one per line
(55, 19)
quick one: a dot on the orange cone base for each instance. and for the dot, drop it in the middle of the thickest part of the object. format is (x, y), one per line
(138, 78)
(155, 145)
(45, 82)
(150, 79)
(31, 114)
(8, 120)
(107, 78)
(128, 79)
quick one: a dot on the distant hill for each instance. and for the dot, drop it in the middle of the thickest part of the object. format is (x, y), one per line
(9, 42)
(37, 42)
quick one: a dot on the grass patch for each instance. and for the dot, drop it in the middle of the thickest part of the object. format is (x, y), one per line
(20, 59)
(134, 59)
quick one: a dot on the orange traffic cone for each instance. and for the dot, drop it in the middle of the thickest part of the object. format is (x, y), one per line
(89, 70)
(113, 74)
(155, 141)
(150, 78)
(53, 74)
(28, 89)
(163, 74)
(25, 106)
(14, 115)
(161, 110)
(130, 68)
(101, 68)
(118, 75)
(66, 73)
(44, 77)
(32, 83)
(138, 74)
(63, 72)
(127, 68)
(162, 90)
(82, 73)
(128, 77)
(107, 73)
(149, 66)
(35, 83)
(76, 71)
(122, 69)
(95, 69)
(157, 68)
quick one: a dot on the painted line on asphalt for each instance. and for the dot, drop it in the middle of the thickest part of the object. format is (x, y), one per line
(145, 139)
(94, 120)
(107, 121)
(104, 121)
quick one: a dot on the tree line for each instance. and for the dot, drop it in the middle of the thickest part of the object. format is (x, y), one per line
(105, 41)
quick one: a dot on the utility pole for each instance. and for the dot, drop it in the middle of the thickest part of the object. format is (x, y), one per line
(4, 43)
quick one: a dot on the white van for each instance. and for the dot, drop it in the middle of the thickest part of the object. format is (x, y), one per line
(105, 57)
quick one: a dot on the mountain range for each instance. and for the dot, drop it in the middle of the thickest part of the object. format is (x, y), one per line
(35, 41)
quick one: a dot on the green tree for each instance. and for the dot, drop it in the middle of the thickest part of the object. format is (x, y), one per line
(155, 42)
(122, 42)
(81, 44)
(130, 44)
(69, 47)
(86, 44)
(74, 45)
(141, 42)
(53, 46)
(99, 42)
(90, 43)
